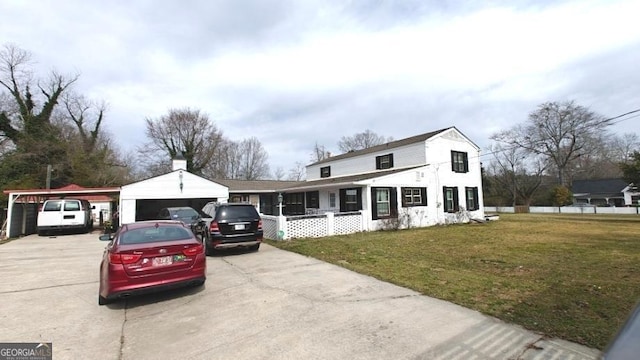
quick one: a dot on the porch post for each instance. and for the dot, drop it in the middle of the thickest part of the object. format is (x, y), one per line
(331, 228)
(364, 220)
(281, 222)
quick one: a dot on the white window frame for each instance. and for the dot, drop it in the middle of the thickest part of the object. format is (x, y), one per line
(382, 202)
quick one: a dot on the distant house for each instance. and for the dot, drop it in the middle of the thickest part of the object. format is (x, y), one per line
(605, 192)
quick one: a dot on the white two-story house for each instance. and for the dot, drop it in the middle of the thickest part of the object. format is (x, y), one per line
(427, 179)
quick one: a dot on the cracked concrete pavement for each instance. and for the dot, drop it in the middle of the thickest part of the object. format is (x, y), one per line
(270, 304)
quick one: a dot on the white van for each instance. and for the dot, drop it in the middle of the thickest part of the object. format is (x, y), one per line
(65, 214)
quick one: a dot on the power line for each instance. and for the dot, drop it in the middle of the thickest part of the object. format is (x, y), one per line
(623, 115)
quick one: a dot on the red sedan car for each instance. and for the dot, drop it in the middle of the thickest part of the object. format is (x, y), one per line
(149, 256)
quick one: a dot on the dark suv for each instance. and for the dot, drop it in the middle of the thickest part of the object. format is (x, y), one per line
(233, 225)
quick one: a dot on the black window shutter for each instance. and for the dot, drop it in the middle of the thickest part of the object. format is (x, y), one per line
(393, 203)
(378, 166)
(444, 198)
(374, 204)
(423, 201)
(390, 160)
(402, 197)
(466, 162)
(475, 196)
(456, 206)
(453, 163)
(359, 198)
(343, 200)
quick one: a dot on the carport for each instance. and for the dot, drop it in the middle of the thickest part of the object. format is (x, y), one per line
(22, 211)
(143, 200)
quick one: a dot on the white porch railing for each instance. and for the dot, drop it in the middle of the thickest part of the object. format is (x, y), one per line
(301, 226)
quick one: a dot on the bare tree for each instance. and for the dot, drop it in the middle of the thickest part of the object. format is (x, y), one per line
(319, 153)
(561, 132)
(29, 119)
(254, 160)
(601, 162)
(278, 173)
(506, 163)
(623, 146)
(363, 140)
(87, 117)
(184, 131)
(297, 172)
(516, 172)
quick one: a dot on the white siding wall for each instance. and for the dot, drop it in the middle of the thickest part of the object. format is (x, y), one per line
(409, 155)
(418, 215)
(439, 157)
(435, 154)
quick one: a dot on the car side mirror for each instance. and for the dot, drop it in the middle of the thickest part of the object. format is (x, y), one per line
(106, 237)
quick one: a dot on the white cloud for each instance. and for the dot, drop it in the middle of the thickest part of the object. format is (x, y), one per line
(293, 73)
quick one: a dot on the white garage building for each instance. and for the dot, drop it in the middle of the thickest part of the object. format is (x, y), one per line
(142, 200)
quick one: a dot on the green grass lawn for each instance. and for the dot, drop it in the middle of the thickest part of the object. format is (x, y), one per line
(576, 277)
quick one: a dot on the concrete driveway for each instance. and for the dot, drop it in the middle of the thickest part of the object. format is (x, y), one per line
(266, 305)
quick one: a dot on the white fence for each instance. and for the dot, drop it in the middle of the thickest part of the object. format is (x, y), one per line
(567, 210)
(291, 227)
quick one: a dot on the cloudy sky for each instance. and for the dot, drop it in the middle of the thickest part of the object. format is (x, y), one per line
(293, 73)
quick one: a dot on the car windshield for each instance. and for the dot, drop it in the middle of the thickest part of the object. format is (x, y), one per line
(153, 233)
(184, 214)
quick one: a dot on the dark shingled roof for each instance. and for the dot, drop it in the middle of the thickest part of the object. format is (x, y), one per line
(255, 185)
(349, 179)
(599, 186)
(389, 145)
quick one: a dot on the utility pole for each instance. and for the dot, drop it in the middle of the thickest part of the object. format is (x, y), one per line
(49, 170)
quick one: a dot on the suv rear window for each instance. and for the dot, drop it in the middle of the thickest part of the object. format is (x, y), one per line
(235, 212)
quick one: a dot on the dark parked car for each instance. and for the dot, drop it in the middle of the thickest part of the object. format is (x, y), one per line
(187, 215)
(232, 225)
(149, 256)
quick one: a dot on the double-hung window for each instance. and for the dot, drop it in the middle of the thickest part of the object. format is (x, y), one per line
(383, 202)
(325, 172)
(472, 198)
(384, 162)
(459, 162)
(450, 195)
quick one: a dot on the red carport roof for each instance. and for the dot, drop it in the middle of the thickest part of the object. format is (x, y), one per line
(77, 191)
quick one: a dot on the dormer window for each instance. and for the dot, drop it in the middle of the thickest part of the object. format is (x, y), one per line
(384, 162)
(325, 172)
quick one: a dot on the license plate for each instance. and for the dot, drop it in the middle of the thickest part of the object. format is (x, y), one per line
(162, 261)
(239, 227)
